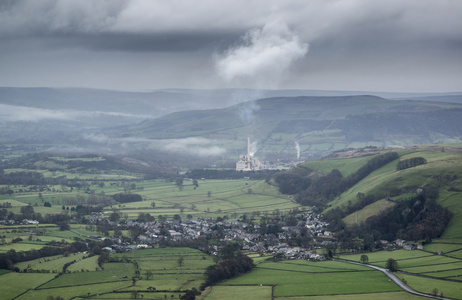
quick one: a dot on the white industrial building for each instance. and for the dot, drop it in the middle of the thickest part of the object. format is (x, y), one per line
(246, 162)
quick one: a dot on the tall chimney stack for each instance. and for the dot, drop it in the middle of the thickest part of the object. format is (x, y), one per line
(248, 148)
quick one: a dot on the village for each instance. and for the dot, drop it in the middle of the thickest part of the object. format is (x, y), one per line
(305, 240)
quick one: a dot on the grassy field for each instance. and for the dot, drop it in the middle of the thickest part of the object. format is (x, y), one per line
(242, 292)
(111, 272)
(345, 166)
(365, 296)
(52, 263)
(167, 273)
(211, 199)
(379, 258)
(438, 269)
(299, 278)
(427, 285)
(368, 211)
(14, 284)
(81, 292)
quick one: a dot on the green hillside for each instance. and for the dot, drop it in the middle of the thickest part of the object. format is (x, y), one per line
(443, 170)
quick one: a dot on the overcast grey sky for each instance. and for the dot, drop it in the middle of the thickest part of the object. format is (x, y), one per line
(375, 45)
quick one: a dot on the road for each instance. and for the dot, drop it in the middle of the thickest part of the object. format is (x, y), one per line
(395, 279)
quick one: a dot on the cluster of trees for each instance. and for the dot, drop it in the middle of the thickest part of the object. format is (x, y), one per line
(229, 268)
(126, 198)
(23, 178)
(418, 218)
(410, 163)
(318, 190)
(8, 259)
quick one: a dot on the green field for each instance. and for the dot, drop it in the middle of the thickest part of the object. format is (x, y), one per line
(299, 278)
(226, 197)
(167, 273)
(345, 166)
(238, 293)
(427, 285)
(368, 211)
(436, 268)
(81, 292)
(14, 284)
(52, 263)
(111, 272)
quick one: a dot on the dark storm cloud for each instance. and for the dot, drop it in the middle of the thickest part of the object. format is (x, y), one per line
(346, 39)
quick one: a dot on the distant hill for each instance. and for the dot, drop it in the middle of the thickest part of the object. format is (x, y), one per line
(320, 125)
(281, 123)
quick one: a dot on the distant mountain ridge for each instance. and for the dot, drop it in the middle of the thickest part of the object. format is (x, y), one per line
(277, 121)
(318, 124)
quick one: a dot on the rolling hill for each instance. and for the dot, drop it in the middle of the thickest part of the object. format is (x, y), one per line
(443, 170)
(320, 125)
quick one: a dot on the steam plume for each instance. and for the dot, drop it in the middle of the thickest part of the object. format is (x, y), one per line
(297, 147)
(264, 56)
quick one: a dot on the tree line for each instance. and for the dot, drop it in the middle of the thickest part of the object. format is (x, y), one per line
(410, 163)
(318, 190)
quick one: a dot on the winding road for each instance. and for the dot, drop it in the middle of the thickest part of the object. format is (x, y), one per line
(394, 278)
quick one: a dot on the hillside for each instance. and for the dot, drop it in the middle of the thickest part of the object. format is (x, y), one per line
(284, 124)
(320, 125)
(443, 170)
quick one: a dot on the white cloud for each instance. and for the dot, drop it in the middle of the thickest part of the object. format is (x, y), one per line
(191, 145)
(31, 114)
(265, 55)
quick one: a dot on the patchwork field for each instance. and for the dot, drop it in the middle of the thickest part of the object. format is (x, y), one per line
(117, 280)
(423, 271)
(301, 278)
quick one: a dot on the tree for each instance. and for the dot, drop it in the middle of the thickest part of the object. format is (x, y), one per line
(27, 210)
(153, 204)
(179, 183)
(180, 261)
(114, 217)
(148, 274)
(63, 226)
(209, 194)
(195, 183)
(135, 294)
(391, 265)
(364, 259)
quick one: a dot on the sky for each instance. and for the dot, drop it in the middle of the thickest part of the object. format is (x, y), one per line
(368, 45)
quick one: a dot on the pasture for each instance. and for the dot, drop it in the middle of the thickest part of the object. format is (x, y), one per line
(436, 269)
(300, 278)
(13, 284)
(212, 198)
(242, 292)
(368, 211)
(166, 272)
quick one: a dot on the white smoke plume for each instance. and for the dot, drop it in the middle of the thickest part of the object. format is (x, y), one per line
(246, 112)
(297, 147)
(264, 57)
(253, 148)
